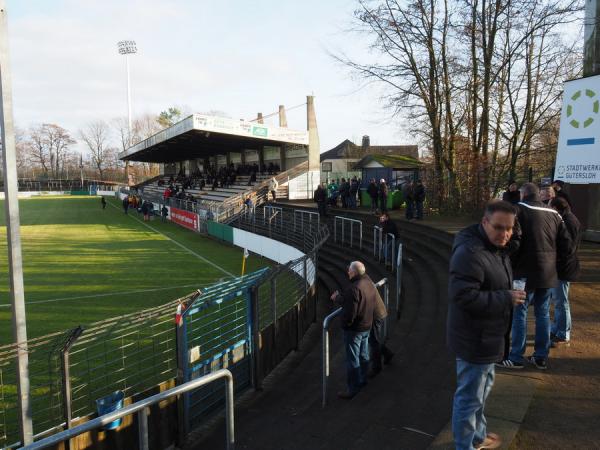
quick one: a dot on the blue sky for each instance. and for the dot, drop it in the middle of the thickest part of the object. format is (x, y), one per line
(233, 56)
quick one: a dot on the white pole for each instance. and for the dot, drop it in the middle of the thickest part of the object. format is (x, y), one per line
(13, 232)
(128, 99)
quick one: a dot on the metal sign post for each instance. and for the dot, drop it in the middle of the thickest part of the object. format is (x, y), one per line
(11, 209)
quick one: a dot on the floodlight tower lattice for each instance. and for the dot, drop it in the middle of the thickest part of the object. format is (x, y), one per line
(128, 48)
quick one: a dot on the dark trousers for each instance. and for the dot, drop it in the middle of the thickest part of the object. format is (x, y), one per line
(373, 202)
(419, 205)
(383, 200)
(322, 208)
(410, 208)
(377, 344)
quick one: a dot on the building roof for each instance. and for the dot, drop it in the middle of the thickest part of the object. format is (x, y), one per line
(390, 161)
(201, 136)
(348, 150)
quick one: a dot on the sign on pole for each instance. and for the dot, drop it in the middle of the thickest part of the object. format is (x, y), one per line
(578, 156)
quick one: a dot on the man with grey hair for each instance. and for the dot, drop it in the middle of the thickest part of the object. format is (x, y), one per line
(544, 239)
(358, 304)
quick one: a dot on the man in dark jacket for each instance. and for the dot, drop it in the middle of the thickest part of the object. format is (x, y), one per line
(320, 198)
(558, 186)
(419, 198)
(372, 191)
(512, 194)
(480, 298)
(543, 239)
(358, 304)
(377, 337)
(409, 199)
(568, 271)
(388, 227)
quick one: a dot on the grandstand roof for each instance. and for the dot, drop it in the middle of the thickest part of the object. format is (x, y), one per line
(199, 136)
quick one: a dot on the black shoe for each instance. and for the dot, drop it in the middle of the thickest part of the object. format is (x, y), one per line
(345, 395)
(540, 363)
(373, 373)
(509, 364)
(387, 358)
(557, 342)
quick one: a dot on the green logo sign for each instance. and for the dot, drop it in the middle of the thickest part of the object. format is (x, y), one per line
(259, 131)
(590, 118)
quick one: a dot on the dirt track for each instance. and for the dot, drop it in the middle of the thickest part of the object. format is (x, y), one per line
(565, 411)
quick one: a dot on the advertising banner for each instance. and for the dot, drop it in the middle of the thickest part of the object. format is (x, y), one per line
(578, 156)
(184, 218)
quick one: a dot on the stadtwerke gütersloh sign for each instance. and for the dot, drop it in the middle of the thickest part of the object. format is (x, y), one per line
(578, 157)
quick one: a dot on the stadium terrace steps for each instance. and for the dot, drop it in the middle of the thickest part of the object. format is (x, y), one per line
(408, 403)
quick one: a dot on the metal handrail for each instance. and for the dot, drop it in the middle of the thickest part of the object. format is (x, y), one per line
(386, 253)
(140, 408)
(398, 279)
(325, 354)
(386, 300)
(344, 220)
(309, 214)
(376, 240)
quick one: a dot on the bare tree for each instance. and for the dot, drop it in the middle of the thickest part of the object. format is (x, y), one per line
(96, 137)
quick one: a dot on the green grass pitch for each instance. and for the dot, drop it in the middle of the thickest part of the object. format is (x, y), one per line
(83, 264)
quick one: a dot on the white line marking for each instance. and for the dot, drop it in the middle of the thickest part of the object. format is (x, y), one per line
(177, 243)
(137, 291)
(418, 431)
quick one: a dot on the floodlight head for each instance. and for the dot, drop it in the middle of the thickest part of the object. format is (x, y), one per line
(127, 47)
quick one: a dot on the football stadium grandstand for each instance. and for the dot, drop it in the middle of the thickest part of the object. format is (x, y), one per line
(173, 363)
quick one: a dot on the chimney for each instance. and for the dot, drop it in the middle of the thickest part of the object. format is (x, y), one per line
(282, 117)
(366, 141)
(259, 118)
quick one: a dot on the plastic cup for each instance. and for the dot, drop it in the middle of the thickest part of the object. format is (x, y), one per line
(519, 284)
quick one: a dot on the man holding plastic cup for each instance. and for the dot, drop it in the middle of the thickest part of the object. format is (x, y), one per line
(480, 299)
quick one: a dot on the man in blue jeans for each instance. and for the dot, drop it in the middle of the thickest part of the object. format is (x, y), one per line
(358, 305)
(543, 240)
(480, 299)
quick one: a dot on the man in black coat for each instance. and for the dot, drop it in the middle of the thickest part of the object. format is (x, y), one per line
(543, 240)
(558, 186)
(358, 305)
(419, 192)
(383, 195)
(568, 271)
(480, 299)
(372, 191)
(320, 197)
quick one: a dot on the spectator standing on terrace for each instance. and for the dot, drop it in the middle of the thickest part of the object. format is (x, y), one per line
(560, 192)
(409, 199)
(372, 191)
(273, 185)
(568, 271)
(344, 191)
(419, 193)
(103, 201)
(377, 337)
(383, 195)
(512, 194)
(480, 298)
(388, 227)
(126, 204)
(544, 240)
(320, 197)
(353, 192)
(358, 306)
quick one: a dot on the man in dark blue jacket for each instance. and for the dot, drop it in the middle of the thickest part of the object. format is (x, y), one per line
(480, 299)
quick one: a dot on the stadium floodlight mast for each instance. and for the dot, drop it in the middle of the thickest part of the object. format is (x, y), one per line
(128, 48)
(13, 234)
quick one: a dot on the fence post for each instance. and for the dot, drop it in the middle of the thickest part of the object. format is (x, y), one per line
(182, 363)
(66, 378)
(386, 299)
(255, 339)
(142, 417)
(398, 280)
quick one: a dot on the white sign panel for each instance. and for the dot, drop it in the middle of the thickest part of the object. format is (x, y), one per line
(578, 157)
(249, 129)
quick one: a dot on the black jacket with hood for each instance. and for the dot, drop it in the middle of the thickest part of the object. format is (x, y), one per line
(479, 297)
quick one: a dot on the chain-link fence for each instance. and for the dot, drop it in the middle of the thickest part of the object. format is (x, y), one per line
(249, 326)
